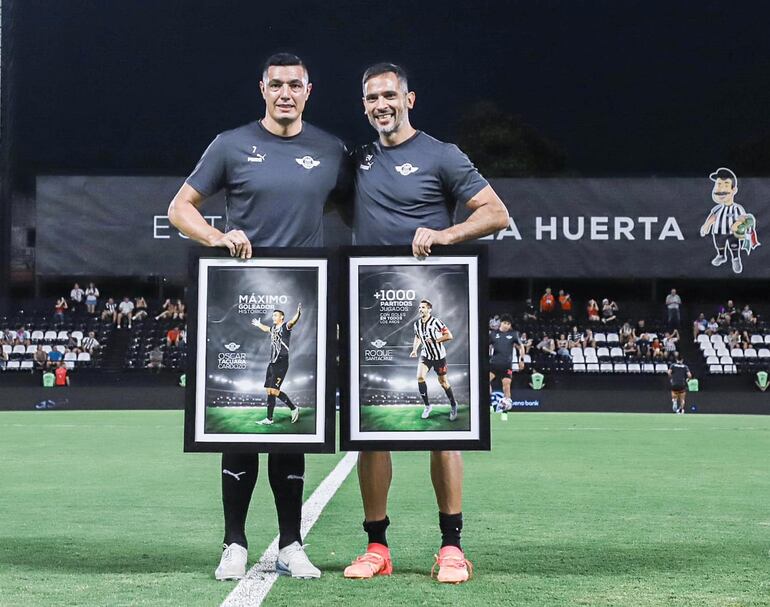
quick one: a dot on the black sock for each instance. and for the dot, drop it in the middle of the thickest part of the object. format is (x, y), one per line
(270, 405)
(376, 531)
(287, 480)
(423, 387)
(450, 395)
(239, 475)
(287, 400)
(451, 528)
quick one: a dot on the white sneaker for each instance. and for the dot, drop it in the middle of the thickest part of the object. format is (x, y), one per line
(507, 404)
(426, 412)
(293, 561)
(295, 415)
(232, 566)
(452, 413)
(264, 422)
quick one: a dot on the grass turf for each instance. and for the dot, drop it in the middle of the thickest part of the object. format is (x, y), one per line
(103, 508)
(241, 420)
(407, 418)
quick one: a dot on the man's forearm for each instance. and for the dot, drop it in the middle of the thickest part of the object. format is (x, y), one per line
(187, 219)
(482, 222)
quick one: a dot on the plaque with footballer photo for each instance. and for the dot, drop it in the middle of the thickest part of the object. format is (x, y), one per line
(413, 338)
(261, 360)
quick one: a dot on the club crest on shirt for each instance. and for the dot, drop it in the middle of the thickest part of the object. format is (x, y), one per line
(407, 169)
(307, 162)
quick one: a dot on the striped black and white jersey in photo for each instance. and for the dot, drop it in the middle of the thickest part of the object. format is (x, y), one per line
(726, 216)
(280, 336)
(428, 332)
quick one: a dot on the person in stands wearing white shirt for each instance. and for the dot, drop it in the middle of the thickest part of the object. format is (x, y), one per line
(76, 297)
(125, 309)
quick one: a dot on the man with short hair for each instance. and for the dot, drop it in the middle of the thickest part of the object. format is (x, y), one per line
(407, 186)
(90, 343)
(678, 373)
(504, 344)
(125, 310)
(278, 173)
(673, 303)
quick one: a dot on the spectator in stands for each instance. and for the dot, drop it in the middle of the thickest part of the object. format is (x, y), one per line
(110, 311)
(673, 302)
(728, 314)
(625, 332)
(90, 344)
(547, 304)
(3, 356)
(155, 358)
(62, 378)
(40, 358)
(494, 323)
(656, 348)
(140, 309)
(565, 303)
(575, 338)
(529, 310)
(526, 342)
(562, 348)
(167, 311)
(76, 297)
(609, 311)
(92, 297)
(712, 327)
(182, 336)
(699, 326)
(73, 345)
(125, 310)
(589, 341)
(23, 336)
(58, 310)
(180, 310)
(630, 349)
(55, 356)
(592, 309)
(547, 345)
(670, 341)
(172, 336)
(643, 343)
(748, 316)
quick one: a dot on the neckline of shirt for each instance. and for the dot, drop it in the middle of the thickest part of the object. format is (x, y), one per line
(262, 128)
(398, 145)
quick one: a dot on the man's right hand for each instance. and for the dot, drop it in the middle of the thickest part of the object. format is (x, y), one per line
(413, 354)
(236, 242)
(256, 322)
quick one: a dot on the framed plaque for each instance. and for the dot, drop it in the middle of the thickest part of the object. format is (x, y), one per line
(261, 362)
(415, 354)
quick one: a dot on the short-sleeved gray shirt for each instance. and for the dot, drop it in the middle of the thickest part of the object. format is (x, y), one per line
(276, 187)
(417, 183)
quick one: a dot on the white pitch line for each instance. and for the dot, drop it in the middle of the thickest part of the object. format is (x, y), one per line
(252, 589)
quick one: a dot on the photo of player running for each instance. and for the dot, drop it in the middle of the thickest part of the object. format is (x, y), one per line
(432, 334)
(679, 374)
(502, 344)
(280, 337)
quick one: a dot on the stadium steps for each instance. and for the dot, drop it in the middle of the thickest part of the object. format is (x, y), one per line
(115, 352)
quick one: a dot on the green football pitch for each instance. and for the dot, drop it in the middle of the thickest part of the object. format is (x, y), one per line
(103, 508)
(407, 418)
(240, 420)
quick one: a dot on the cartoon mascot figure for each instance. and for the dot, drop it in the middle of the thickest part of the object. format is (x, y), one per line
(731, 227)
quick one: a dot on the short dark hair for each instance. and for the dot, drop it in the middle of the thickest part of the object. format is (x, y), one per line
(724, 173)
(426, 302)
(283, 59)
(506, 318)
(280, 312)
(384, 68)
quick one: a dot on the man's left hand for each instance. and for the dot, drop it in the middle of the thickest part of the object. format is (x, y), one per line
(424, 238)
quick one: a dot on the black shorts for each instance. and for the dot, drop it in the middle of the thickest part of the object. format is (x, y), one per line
(678, 390)
(439, 366)
(276, 372)
(501, 371)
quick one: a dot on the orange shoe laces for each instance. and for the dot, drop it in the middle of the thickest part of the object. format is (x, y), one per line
(374, 560)
(452, 561)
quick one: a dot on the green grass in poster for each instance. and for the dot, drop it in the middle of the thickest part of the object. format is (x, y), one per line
(406, 418)
(242, 420)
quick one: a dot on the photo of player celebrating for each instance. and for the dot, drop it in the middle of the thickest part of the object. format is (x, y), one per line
(280, 337)
(432, 334)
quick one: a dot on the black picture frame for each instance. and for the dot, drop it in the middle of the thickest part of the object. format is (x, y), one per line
(196, 438)
(351, 435)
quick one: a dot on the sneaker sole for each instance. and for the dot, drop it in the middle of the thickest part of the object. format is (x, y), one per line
(229, 577)
(281, 569)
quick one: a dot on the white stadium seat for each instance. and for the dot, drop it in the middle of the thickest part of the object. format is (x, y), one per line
(62, 336)
(527, 359)
(70, 356)
(603, 352)
(62, 349)
(715, 369)
(723, 351)
(712, 360)
(620, 368)
(70, 364)
(648, 368)
(577, 357)
(706, 345)
(634, 368)
(577, 350)
(7, 348)
(736, 353)
(13, 365)
(19, 349)
(86, 357)
(592, 367)
(46, 348)
(709, 352)
(749, 353)
(78, 335)
(50, 336)
(37, 336)
(725, 360)
(606, 368)
(661, 368)
(763, 353)
(617, 353)
(703, 338)
(27, 365)
(716, 338)
(757, 339)
(600, 337)
(579, 367)
(613, 338)
(767, 339)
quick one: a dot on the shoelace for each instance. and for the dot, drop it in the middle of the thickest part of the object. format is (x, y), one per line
(227, 555)
(452, 561)
(372, 559)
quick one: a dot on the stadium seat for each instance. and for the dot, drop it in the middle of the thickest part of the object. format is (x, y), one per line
(27, 365)
(579, 367)
(606, 368)
(634, 368)
(750, 353)
(576, 351)
(62, 336)
(725, 360)
(13, 365)
(7, 349)
(706, 345)
(592, 367)
(757, 339)
(70, 356)
(527, 359)
(723, 351)
(50, 336)
(716, 339)
(736, 353)
(613, 338)
(617, 354)
(37, 336)
(763, 353)
(648, 368)
(577, 357)
(60, 348)
(19, 351)
(712, 360)
(46, 348)
(620, 368)
(703, 339)
(709, 352)
(603, 353)
(84, 357)
(600, 338)
(77, 335)
(661, 368)
(715, 369)
(767, 339)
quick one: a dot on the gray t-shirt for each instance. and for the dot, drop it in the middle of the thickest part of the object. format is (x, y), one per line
(276, 187)
(417, 183)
